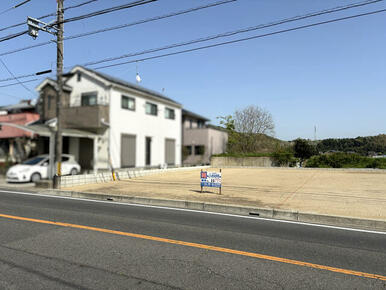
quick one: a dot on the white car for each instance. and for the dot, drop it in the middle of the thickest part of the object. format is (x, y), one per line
(36, 168)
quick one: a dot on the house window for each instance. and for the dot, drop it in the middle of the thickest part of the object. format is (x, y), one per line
(78, 76)
(151, 109)
(199, 150)
(169, 114)
(200, 124)
(49, 100)
(190, 124)
(89, 99)
(128, 103)
(188, 150)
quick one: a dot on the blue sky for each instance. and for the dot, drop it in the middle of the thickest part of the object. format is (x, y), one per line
(332, 76)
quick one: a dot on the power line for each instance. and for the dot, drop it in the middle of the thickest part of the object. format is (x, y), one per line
(11, 73)
(295, 18)
(12, 96)
(14, 7)
(107, 10)
(85, 16)
(79, 5)
(49, 15)
(22, 3)
(18, 83)
(203, 39)
(231, 41)
(246, 38)
(11, 36)
(27, 75)
(142, 21)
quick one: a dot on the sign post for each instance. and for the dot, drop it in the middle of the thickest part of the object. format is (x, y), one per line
(211, 179)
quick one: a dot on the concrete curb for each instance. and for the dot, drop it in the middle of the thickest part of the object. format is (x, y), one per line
(350, 222)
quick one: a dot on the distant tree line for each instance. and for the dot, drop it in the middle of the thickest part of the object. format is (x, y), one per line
(250, 134)
(360, 145)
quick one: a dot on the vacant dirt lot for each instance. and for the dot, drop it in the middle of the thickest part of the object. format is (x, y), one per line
(354, 193)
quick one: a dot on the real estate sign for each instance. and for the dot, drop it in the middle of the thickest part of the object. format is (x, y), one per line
(210, 179)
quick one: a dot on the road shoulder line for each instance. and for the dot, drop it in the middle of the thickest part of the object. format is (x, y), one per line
(311, 219)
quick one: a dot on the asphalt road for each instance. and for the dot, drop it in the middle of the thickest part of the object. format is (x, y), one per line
(37, 254)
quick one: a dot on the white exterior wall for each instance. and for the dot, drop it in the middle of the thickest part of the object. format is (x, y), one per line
(87, 85)
(138, 123)
(103, 156)
(123, 121)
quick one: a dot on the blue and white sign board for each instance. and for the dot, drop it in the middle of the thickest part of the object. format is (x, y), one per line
(210, 179)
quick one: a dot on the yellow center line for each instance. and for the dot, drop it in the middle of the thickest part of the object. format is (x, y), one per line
(202, 246)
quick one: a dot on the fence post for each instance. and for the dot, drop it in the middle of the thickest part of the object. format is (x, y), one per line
(200, 180)
(221, 181)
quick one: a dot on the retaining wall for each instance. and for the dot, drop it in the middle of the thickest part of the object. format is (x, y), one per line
(242, 161)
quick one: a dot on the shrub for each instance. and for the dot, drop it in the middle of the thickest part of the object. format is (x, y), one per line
(283, 156)
(345, 160)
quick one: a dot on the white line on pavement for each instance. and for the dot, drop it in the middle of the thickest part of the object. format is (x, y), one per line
(196, 211)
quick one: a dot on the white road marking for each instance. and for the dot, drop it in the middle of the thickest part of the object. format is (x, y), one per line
(195, 211)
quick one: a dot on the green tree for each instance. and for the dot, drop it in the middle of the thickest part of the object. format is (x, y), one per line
(283, 156)
(229, 124)
(304, 150)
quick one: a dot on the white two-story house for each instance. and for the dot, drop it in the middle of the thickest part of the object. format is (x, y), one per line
(110, 121)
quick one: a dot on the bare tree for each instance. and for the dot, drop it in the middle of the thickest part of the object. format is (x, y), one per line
(254, 120)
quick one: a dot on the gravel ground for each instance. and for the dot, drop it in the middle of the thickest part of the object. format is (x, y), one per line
(353, 193)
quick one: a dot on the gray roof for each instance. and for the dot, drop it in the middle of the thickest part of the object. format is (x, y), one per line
(130, 85)
(19, 106)
(194, 115)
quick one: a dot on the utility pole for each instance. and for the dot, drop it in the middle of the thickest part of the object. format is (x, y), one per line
(59, 97)
(34, 25)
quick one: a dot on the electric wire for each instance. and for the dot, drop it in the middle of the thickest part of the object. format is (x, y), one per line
(14, 7)
(296, 18)
(85, 16)
(107, 10)
(208, 38)
(247, 38)
(49, 15)
(142, 21)
(19, 82)
(12, 36)
(236, 40)
(2, 94)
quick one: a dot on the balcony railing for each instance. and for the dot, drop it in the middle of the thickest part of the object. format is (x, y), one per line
(85, 117)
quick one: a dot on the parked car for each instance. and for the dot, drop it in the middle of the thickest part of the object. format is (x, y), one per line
(36, 168)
